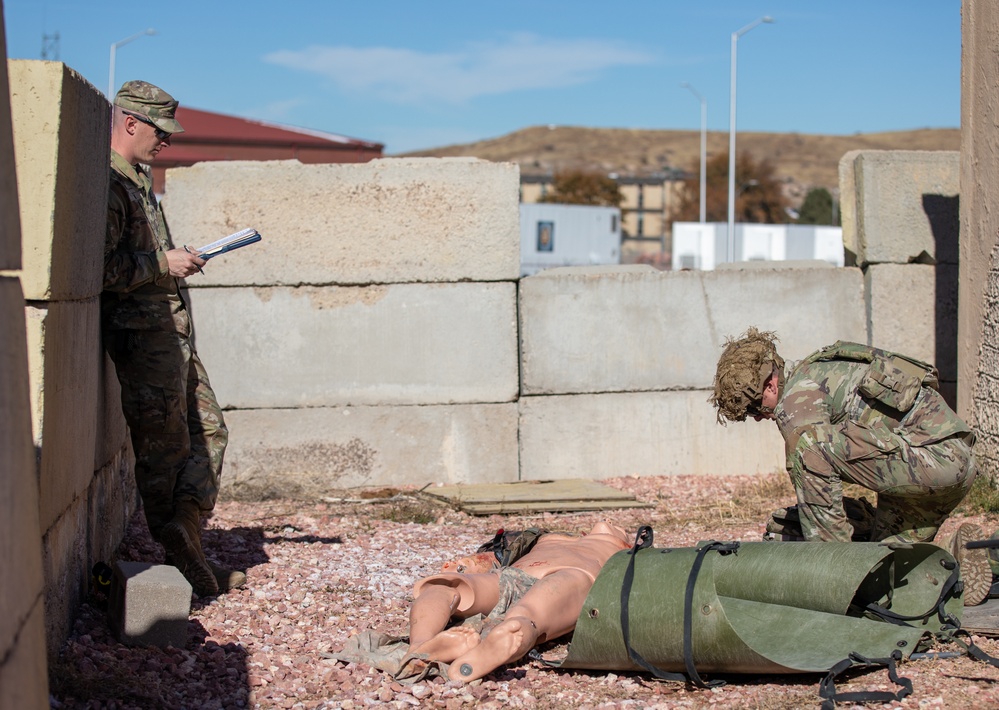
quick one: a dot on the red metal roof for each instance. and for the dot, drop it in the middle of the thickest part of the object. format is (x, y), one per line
(207, 127)
(215, 136)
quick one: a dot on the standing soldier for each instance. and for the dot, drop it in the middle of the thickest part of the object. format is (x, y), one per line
(178, 434)
(854, 413)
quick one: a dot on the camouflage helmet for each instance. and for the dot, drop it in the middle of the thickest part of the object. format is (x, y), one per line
(150, 101)
(744, 367)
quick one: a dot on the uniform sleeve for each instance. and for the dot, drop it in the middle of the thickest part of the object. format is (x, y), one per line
(806, 405)
(126, 270)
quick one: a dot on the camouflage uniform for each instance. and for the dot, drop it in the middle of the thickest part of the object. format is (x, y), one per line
(918, 458)
(178, 433)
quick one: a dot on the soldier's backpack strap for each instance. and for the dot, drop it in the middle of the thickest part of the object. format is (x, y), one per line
(644, 539)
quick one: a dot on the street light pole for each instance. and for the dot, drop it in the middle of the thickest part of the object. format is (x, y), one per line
(704, 149)
(114, 50)
(730, 237)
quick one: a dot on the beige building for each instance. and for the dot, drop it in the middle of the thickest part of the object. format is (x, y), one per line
(648, 201)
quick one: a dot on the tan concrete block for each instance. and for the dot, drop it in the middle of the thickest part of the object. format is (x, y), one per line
(913, 310)
(20, 546)
(24, 679)
(62, 144)
(640, 434)
(10, 220)
(309, 453)
(375, 345)
(149, 604)
(907, 206)
(630, 329)
(112, 431)
(64, 546)
(848, 204)
(64, 361)
(387, 221)
(113, 500)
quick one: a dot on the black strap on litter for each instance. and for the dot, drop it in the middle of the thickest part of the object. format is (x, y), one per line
(947, 589)
(974, 651)
(827, 688)
(644, 539)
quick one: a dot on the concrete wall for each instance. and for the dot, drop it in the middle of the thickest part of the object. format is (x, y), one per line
(430, 370)
(87, 491)
(978, 315)
(901, 226)
(371, 336)
(979, 175)
(23, 676)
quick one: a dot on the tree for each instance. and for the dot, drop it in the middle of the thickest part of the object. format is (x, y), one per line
(758, 194)
(579, 187)
(817, 207)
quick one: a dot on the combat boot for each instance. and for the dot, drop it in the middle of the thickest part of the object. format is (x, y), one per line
(975, 570)
(227, 579)
(181, 538)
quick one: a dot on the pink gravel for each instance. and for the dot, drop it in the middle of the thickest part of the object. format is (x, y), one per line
(320, 572)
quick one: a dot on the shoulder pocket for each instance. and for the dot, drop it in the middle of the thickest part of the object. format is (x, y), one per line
(894, 381)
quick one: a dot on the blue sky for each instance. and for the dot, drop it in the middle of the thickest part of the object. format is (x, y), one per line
(418, 74)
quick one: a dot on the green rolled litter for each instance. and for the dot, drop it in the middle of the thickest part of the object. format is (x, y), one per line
(767, 607)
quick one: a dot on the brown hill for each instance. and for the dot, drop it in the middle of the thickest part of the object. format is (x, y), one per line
(802, 160)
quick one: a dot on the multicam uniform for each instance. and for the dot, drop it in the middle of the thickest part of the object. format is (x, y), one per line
(177, 429)
(919, 460)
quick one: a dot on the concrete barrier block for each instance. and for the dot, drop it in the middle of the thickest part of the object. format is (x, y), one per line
(913, 310)
(307, 453)
(907, 206)
(112, 500)
(62, 144)
(24, 673)
(386, 221)
(149, 605)
(642, 434)
(64, 550)
(848, 204)
(111, 430)
(629, 329)
(378, 345)
(21, 644)
(64, 357)
(10, 219)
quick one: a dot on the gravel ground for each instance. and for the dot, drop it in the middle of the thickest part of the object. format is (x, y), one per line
(320, 572)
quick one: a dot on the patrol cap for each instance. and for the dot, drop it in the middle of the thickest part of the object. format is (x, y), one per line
(150, 101)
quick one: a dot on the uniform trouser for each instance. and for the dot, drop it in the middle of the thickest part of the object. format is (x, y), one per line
(178, 433)
(917, 486)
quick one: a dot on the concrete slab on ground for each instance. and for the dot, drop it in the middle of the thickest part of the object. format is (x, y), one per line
(568, 495)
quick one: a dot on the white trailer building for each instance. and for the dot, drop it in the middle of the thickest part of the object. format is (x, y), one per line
(568, 235)
(704, 246)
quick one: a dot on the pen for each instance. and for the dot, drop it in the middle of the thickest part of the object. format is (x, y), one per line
(189, 252)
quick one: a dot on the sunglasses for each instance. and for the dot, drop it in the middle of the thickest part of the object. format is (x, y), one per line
(160, 133)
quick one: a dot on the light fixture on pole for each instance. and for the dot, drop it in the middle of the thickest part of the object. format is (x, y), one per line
(114, 50)
(730, 236)
(704, 148)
